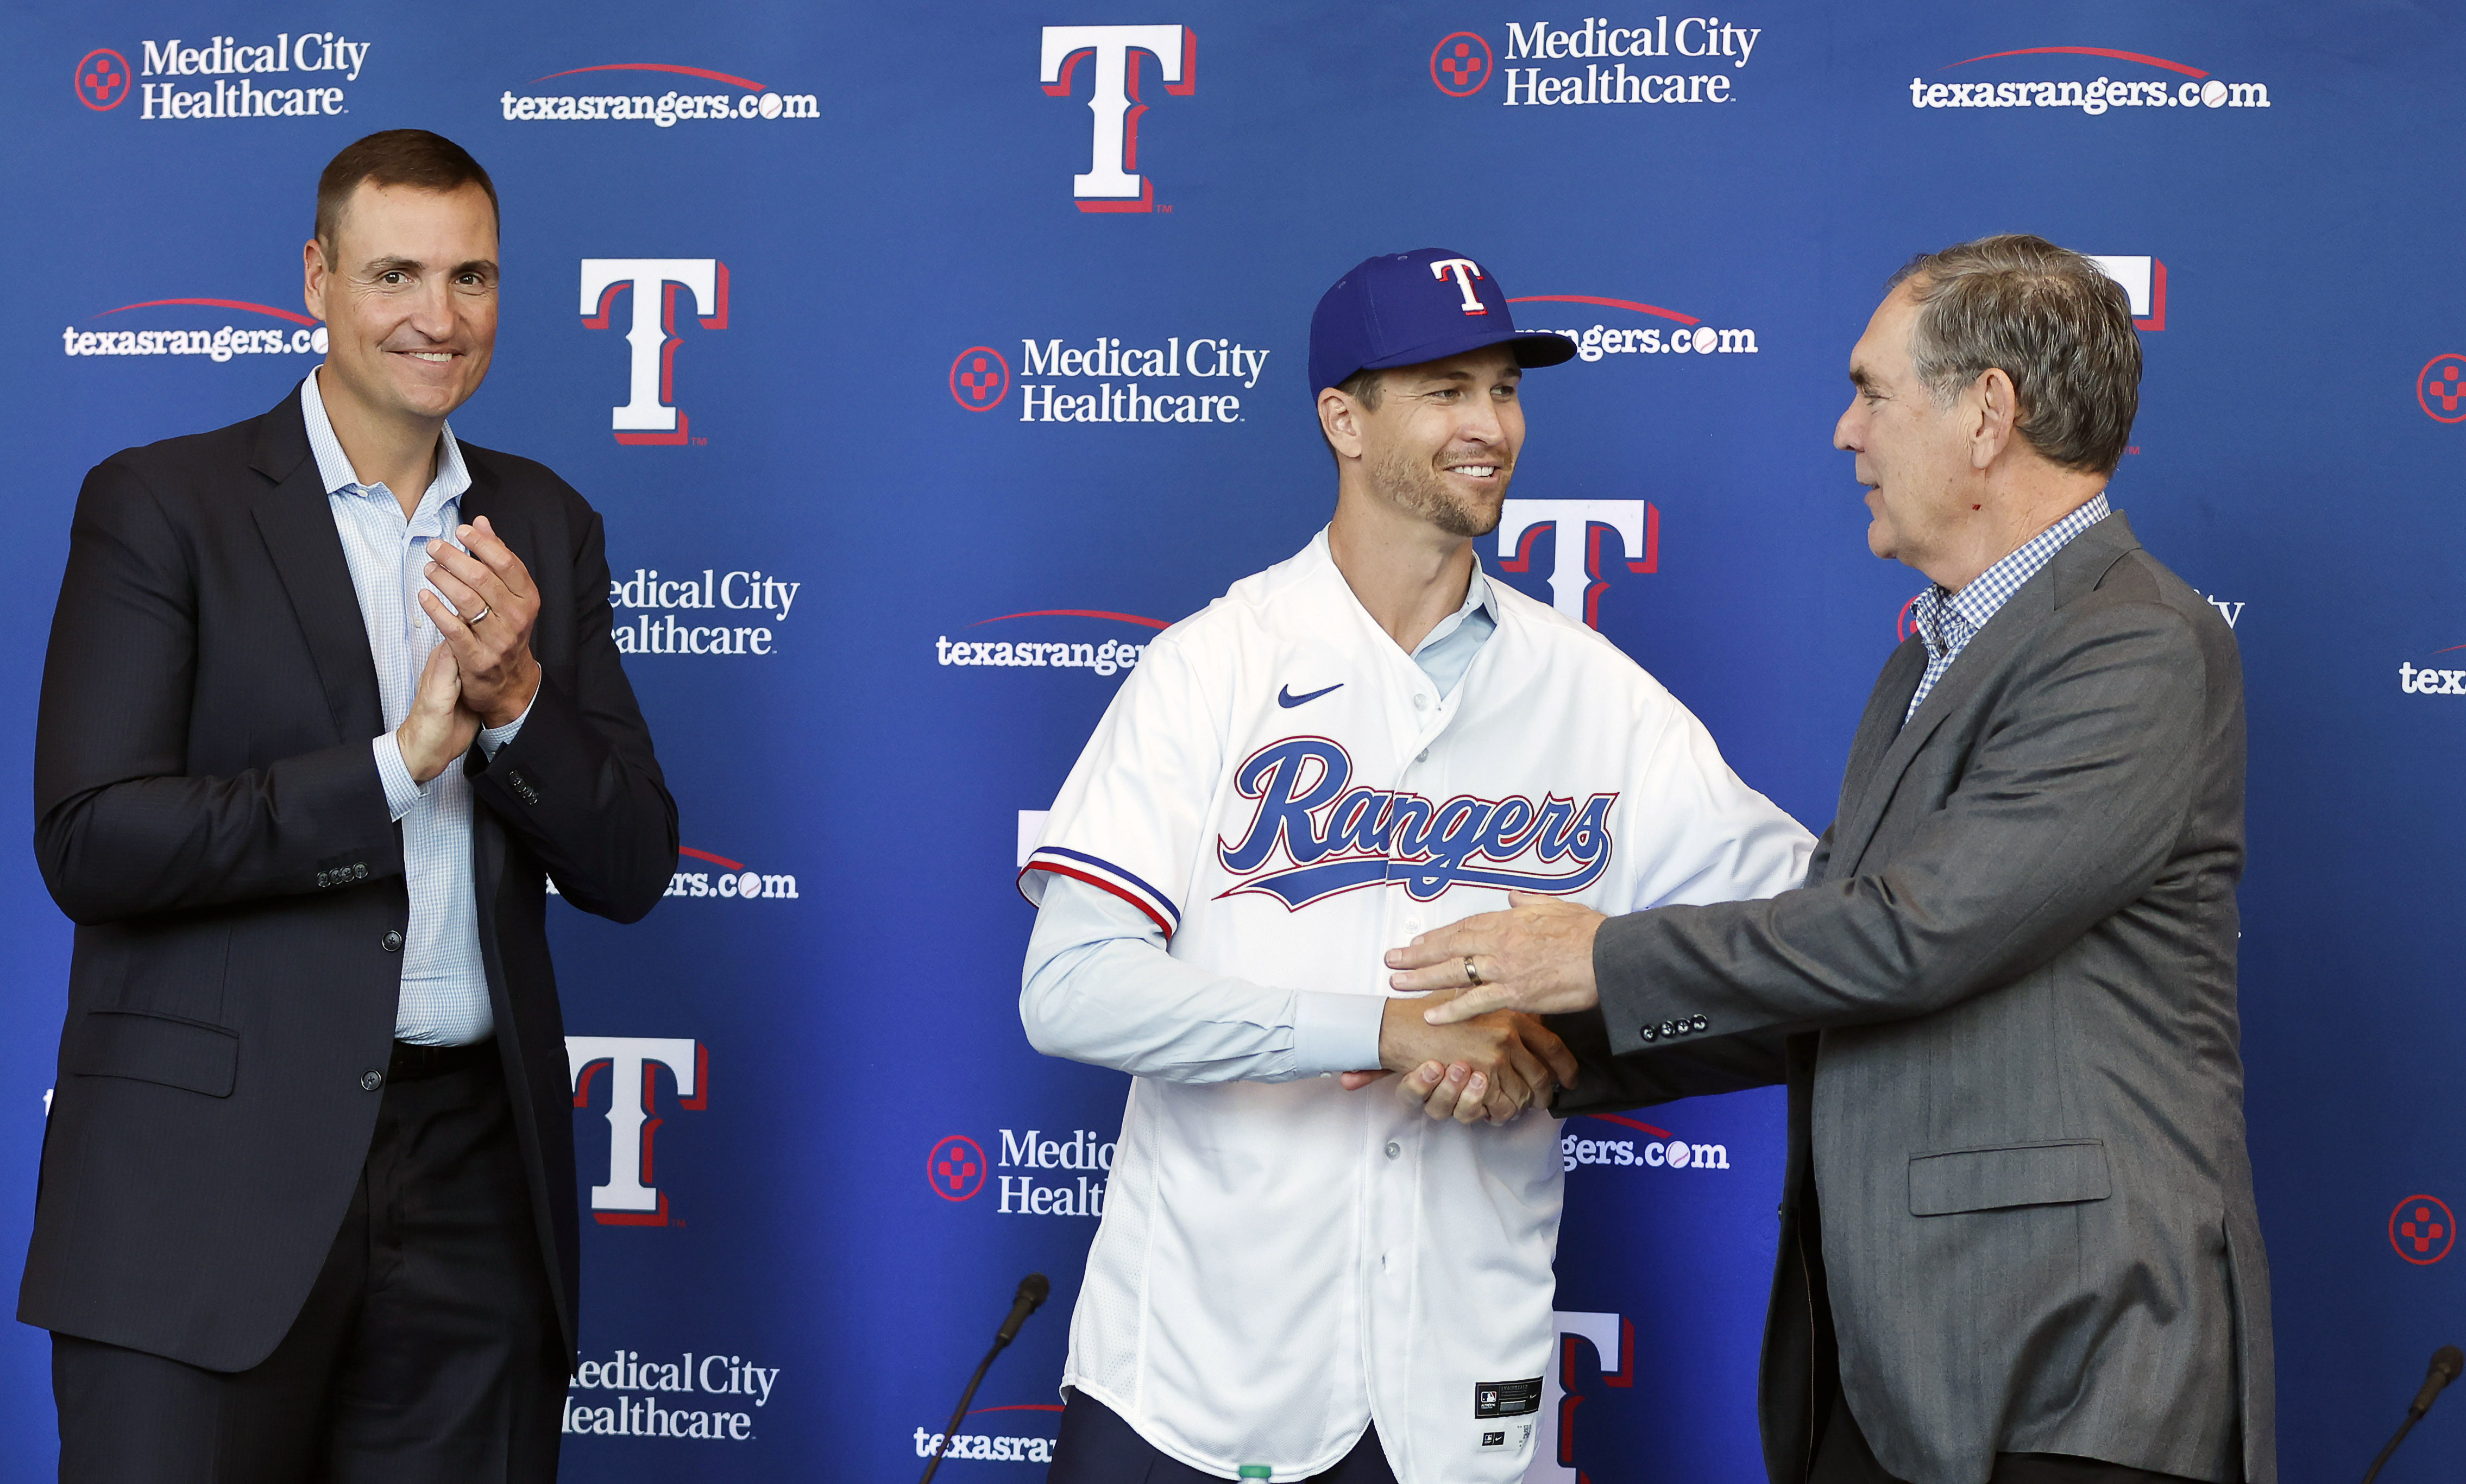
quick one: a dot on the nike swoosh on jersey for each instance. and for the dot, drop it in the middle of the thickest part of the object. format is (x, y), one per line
(1285, 697)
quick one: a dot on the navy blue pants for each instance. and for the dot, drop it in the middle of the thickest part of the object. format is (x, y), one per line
(1097, 1446)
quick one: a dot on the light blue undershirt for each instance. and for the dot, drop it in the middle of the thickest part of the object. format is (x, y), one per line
(1099, 963)
(444, 996)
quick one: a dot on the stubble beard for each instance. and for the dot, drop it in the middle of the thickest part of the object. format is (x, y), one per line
(1418, 488)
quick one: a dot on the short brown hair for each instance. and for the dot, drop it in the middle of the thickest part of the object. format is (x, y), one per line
(397, 157)
(2053, 321)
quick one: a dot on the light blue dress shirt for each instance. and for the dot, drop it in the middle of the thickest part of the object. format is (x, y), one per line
(1106, 960)
(444, 996)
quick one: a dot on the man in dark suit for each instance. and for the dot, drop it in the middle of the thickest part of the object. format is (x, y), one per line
(2018, 1231)
(330, 695)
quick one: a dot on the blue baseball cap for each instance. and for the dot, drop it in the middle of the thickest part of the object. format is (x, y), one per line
(1405, 308)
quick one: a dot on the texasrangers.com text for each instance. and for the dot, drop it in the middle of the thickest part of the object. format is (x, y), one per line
(2091, 98)
(667, 110)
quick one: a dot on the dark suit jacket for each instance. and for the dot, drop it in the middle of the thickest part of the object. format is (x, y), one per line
(209, 812)
(2005, 1006)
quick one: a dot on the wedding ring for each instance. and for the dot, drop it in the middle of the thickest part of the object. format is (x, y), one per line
(1472, 975)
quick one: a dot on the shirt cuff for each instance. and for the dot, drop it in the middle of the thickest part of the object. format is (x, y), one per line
(401, 793)
(492, 738)
(1337, 1032)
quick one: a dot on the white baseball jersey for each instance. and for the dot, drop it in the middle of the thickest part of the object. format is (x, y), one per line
(1282, 789)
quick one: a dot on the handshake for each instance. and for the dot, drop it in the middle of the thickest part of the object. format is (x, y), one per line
(1470, 1048)
(480, 673)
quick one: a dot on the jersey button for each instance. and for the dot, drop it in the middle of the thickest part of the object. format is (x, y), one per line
(1423, 756)
(1421, 703)
(1394, 1150)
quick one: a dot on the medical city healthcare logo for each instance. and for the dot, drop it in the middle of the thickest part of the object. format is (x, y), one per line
(1116, 55)
(2440, 388)
(753, 100)
(1107, 378)
(1072, 1171)
(650, 414)
(103, 79)
(147, 336)
(2423, 1230)
(726, 612)
(251, 78)
(2136, 90)
(1462, 63)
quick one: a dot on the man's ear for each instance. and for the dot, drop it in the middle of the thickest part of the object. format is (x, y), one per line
(314, 272)
(1339, 418)
(1996, 415)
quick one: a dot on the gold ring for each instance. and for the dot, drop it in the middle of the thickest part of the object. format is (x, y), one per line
(1472, 975)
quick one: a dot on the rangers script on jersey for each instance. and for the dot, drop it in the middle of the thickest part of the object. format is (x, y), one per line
(1287, 795)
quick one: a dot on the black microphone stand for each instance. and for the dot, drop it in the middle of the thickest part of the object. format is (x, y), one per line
(1031, 1293)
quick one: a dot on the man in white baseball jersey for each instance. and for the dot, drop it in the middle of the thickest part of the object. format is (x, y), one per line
(1363, 741)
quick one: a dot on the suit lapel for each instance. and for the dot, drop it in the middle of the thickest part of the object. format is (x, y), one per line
(1876, 729)
(2073, 571)
(298, 527)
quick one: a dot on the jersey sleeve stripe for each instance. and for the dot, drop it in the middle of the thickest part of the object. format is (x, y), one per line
(1097, 872)
(1102, 864)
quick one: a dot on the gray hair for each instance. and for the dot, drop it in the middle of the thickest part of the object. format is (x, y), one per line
(2051, 321)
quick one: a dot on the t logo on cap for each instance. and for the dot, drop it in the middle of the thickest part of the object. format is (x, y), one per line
(1465, 271)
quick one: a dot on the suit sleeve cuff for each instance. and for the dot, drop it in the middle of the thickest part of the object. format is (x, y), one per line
(1337, 1032)
(401, 793)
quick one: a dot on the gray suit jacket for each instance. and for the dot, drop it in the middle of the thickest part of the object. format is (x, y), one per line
(2004, 1003)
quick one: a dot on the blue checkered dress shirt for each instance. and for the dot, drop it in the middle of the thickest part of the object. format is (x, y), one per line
(444, 996)
(1947, 621)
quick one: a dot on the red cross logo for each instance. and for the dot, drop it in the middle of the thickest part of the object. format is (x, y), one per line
(955, 1168)
(979, 379)
(2440, 388)
(2422, 1229)
(1460, 64)
(103, 78)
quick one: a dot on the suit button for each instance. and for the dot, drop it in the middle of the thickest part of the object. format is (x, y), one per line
(392, 940)
(1699, 1023)
(1650, 1034)
(516, 778)
(371, 1080)
(359, 873)
(324, 879)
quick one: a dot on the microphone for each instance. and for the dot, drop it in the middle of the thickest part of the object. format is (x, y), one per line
(2445, 1363)
(1031, 1296)
(1033, 1289)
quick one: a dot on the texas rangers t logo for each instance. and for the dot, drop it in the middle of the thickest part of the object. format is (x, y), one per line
(1465, 271)
(1112, 183)
(1331, 839)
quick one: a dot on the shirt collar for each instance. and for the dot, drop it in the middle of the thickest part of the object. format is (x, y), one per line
(1945, 620)
(334, 467)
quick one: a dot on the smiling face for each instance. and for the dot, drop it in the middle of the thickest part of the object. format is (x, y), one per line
(1914, 453)
(1441, 445)
(407, 286)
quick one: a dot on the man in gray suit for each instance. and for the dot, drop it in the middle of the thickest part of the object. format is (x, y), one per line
(2004, 1001)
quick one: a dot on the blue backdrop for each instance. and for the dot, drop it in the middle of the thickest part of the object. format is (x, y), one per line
(890, 276)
